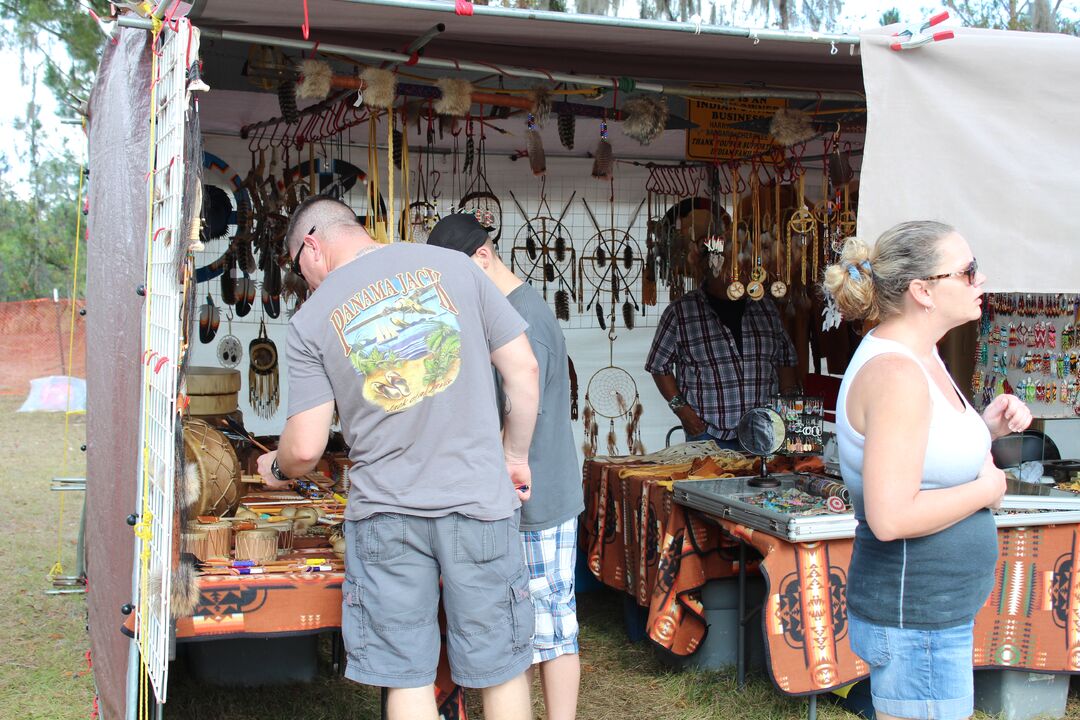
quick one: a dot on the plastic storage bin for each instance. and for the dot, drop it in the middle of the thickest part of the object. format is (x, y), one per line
(1020, 695)
(720, 647)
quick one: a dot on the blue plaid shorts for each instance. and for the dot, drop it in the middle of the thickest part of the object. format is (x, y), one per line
(551, 556)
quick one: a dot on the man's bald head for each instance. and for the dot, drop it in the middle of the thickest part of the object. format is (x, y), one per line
(317, 212)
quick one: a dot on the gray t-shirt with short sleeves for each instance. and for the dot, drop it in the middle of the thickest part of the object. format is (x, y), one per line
(401, 338)
(556, 493)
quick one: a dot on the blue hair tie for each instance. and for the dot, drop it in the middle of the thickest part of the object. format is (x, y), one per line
(853, 269)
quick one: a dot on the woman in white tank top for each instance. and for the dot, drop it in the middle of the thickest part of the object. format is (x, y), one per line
(916, 458)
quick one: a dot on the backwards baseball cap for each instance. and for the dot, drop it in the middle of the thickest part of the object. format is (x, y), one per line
(459, 231)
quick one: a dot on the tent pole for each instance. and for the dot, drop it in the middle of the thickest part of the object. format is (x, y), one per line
(458, 66)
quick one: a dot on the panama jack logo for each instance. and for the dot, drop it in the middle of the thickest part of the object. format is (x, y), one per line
(401, 335)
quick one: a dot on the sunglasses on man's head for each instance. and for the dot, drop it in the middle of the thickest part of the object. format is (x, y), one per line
(969, 273)
(296, 258)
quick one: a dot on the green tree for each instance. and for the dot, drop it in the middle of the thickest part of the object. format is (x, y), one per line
(1037, 15)
(889, 17)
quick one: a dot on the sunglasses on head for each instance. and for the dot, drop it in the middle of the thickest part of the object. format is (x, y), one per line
(969, 273)
(296, 258)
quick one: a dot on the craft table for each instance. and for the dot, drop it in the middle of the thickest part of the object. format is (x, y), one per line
(640, 541)
(281, 605)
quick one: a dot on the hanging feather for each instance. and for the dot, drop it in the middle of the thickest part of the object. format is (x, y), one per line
(600, 316)
(644, 118)
(790, 127)
(615, 285)
(620, 402)
(315, 78)
(286, 93)
(603, 160)
(456, 97)
(399, 142)
(560, 248)
(630, 434)
(549, 271)
(530, 246)
(541, 104)
(534, 146)
(612, 440)
(628, 315)
(628, 257)
(562, 304)
(470, 151)
(573, 388)
(639, 447)
(588, 447)
(566, 130)
(601, 256)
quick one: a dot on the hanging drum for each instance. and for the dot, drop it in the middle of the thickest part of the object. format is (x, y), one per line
(217, 467)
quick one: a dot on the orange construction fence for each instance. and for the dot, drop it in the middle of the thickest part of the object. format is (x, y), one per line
(36, 341)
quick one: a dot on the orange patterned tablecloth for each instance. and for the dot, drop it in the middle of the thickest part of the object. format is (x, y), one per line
(232, 606)
(641, 542)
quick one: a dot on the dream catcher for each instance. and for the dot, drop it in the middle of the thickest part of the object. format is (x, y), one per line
(612, 264)
(546, 254)
(229, 349)
(612, 395)
(263, 388)
(478, 196)
(802, 230)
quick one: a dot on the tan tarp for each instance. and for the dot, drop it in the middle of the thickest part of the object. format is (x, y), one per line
(979, 132)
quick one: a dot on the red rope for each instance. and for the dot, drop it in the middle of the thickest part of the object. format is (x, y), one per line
(306, 27)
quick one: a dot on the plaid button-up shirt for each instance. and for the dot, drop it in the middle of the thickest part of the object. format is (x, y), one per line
(718, 381)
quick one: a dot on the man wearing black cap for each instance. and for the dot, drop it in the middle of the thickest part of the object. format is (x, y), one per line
(549, 519)
(401, 337)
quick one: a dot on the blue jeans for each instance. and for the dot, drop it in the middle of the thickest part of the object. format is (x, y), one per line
(919, 674)
(724, 444)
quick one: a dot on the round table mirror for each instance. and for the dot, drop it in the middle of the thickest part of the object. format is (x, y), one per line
(761, 432)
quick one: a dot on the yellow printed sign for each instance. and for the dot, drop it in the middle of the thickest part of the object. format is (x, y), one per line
(716, 138)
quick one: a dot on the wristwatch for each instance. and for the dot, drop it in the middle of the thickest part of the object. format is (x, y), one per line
(677, 402)
(275, 470)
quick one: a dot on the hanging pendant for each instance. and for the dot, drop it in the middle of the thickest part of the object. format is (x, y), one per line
(735, 290)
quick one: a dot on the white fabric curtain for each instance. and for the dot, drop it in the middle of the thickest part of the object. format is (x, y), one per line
(981, 132)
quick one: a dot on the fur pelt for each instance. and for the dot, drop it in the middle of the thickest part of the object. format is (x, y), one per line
(315, 78)
(456, 97)
(380, 87)
(644, 117)
(791, 127)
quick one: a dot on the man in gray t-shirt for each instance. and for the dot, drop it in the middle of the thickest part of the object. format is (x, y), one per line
(401, 338)
(549, 519)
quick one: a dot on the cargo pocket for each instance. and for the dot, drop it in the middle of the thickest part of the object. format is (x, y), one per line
(382, 537)
(480, 541)
(352, 620)
(522, 614)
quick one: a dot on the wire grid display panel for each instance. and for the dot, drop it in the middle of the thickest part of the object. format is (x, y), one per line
(161, 344)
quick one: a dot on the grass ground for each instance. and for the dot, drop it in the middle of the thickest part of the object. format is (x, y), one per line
(43, 671)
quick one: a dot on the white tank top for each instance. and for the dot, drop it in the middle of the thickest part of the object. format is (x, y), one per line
(958, 441)
(930, 582)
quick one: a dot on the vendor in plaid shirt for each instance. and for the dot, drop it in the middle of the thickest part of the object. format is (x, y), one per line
(713, 358)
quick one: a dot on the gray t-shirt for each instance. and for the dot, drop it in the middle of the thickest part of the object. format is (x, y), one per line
(401, 338)
(557, 493)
